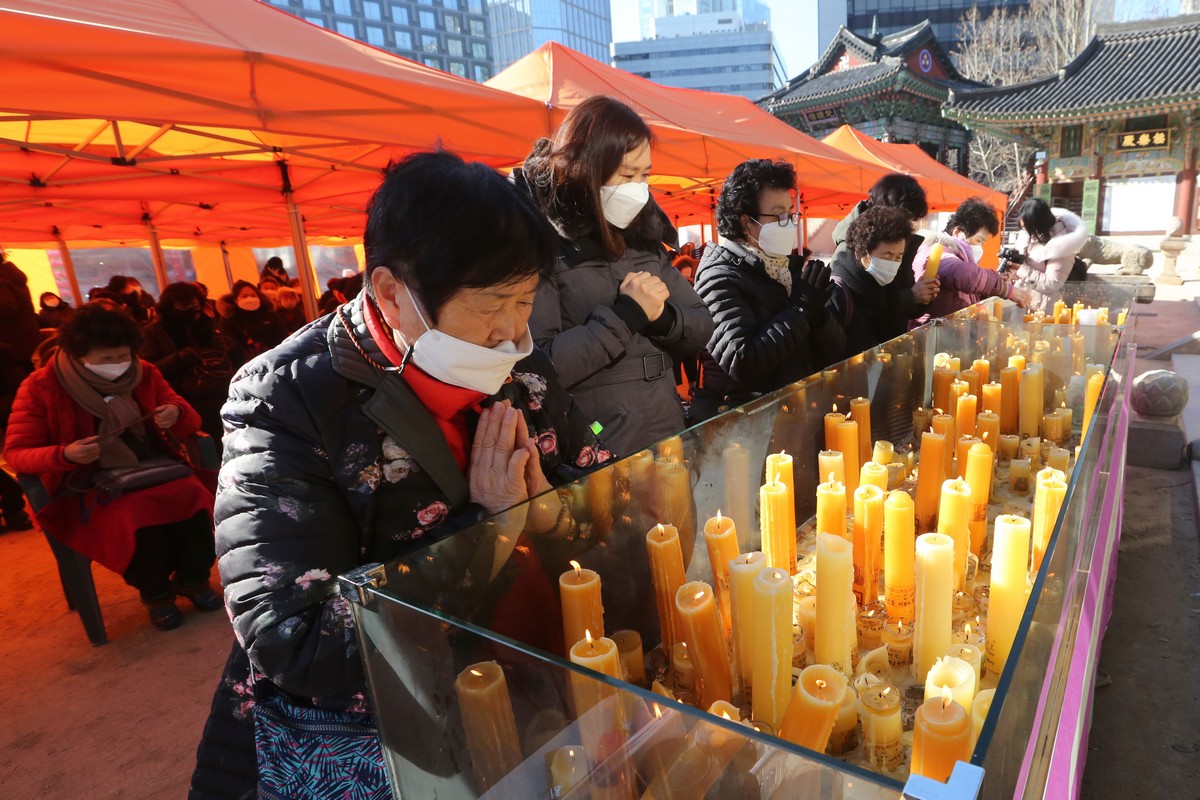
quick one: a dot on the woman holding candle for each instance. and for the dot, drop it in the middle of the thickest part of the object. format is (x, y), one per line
(772, 328)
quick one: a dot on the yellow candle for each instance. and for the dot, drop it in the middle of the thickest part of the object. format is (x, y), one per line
(629, 648)
(720, 534)
(602, 732)
(979, 712)
(739, 505)
(980, 462)
(1059, 459)
(1019, 472)
(964, 420)
(884, 452)
(1078, 354)
(1095, 383)
(831, 509)
(898, 639)
(600, 501)
(1032, 399)
(671, 449)
(929, 478)
(810, 715)
(993, 398)
(1121, 317)
(944, 424)
(806, 618)
(922, 419)
(942, 378)
(742, 574)
(779, 468)
(844, 736)
(1052, 427)
(954, 519)
(972, 655)
(831, 466)
(935, 598)
(868, 530)
(847, 438)
(971, 378)
(954, 674)
(1059, 307)
(772, 645)
(1006, 603)
(666, 572)
(870, 628)
(832, 420)
(673, 501)
(987, 429)
(899, 545)
(641, 476)
(860, 412)
(933, 261)
(958, 388)
(883, 730)
(488, 722)
(984, 369)
(961, 447)
(1017, 361)
(777, 515)
(581, 607)
(1009, 445)
(697, 609)
(873, 474)
(1010, 399)
(698, 762)
(1031, 451)
(835, 579)
(1048, 499)
(941, 738)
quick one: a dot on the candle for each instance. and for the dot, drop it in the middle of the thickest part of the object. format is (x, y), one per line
(739, 504)
(1078, 354)
(847, 439)
(992, 398)
(899, 544)
(641, 475)
(742, 574)
(810, 715)
(971, 378)
(972, 654)
(1006, 603)
(1017, 361)
(1052, 427)
(942, 379)
(922, 419)
(933, 261)
(860, 412)
(720, 534)
(832, 420)
(603, 731)
(1059, 307)
(772, 645)
(673, 501)
(958, 388)
(875, 663)
(600, 502)
(1009, 445)
(1031, 450)
(897, 638)
(1010, 399)
(698, 762)
(488, 722)
(1095, 383)
(835, 576)
(831, 508)
(777, 515)
(581, 607)
(935, 593)
(1048, 497)
(929, 478)
(569, 767)
(806, 618)
(964, 420)
(868, 531)
(697, 607)
(671, 449)
(987, 429)
(870, 626)
(1019, 471)
(979, 712)
(629, 649)
(979, 478)
(1121, 317)
(983, 368)
(944, 424)
(883, 730)
(955, 674)
(666, 572)
(873, 474)
(844, 736)
(1032, 399)
(683, 671)
(1059, 459)
(830, 464)
(883, 453)
(941, 738)
(961, 446)
(954, 519)
(598, 653)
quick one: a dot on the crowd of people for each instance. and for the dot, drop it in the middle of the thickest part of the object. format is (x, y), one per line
(536, 327)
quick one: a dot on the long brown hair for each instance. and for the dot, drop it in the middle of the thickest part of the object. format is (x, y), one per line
(586, 150)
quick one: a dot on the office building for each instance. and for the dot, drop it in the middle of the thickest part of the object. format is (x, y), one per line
(518, 27)
(882, 17)
(451, 36)
(831, 15)
(715, 51)
(752, 11)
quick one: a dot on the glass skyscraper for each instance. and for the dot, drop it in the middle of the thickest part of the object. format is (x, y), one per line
(519, 27)
(892, 16)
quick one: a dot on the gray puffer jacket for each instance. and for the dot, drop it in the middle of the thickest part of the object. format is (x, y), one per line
(614, 361)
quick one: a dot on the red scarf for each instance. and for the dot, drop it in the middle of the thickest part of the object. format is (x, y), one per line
(448, 404)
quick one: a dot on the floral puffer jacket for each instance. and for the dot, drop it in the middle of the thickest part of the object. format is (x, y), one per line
(331, 463)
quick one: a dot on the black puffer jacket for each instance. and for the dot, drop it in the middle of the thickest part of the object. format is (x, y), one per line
(330, 463)
(762, 340)
(905, 279)
(20, 329)
(870, 314)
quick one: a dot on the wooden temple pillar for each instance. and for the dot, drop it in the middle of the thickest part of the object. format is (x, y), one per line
(1185, 183)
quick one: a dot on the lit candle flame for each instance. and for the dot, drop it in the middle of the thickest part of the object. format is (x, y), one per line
(835, 408)
(967, 629)
(886, 691)
(749, 557)
(966, 651)
(578, 569)
(657, 711)
(588, 635)
(477, 673)
(871, 613)
(821, 684)
(939, 411)
(947, 697)
(661, 529)
(719, 518)
(698, 595)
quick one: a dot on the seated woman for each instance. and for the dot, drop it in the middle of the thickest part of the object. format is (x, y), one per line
(768, 306)
(55, 312)
(865, 303)
(98, 407)
(1049, 238)
(413, 411)
(252, 323)
(963, 281)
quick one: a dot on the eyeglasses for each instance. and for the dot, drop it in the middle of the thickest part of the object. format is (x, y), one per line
(782, 219)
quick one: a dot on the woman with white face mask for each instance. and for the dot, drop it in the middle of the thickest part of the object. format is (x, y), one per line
(413, 411)
(768, 304)
(614, 313)
(254, 325)
(866, 301)
(963, 281)
(97, 407)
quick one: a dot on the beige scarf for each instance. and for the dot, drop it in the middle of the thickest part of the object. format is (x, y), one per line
(111, 402)
(776, 266)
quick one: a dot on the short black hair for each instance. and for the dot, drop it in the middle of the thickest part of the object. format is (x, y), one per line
(1037, 219)
(740, 193)
(876, 226)
(974, 215)
(117, 284)
(441, 224)
(274, 262)
(179, 294)
(95, 326)
(896, 190)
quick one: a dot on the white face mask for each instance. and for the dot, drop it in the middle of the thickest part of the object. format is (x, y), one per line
(977, 252)
(460, 363)
(249, 303)
(777, 240)
(883, 271)
(624, 202)
(109, 372)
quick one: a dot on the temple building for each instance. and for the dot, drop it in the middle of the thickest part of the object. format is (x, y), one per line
(1118, 126)
(891, 88)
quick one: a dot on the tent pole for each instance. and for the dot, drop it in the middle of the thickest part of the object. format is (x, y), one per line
(803, 228)
(156, 252)
(228, 269)
(64, 253)
(304, 266)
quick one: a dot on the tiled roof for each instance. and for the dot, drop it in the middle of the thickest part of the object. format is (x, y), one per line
(836, 82)
(1133, 65)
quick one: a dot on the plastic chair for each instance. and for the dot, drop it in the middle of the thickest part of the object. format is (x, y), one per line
(75, 570)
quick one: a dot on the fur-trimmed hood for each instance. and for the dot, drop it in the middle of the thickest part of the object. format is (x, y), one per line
(1066, 238)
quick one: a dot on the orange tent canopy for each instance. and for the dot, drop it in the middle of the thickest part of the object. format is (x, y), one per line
(944, 188)
(699, 136)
